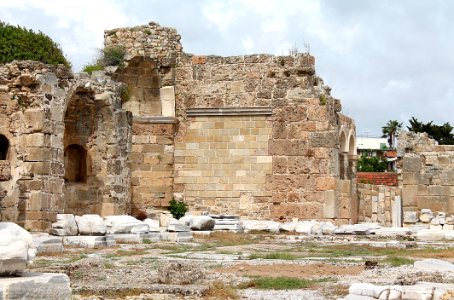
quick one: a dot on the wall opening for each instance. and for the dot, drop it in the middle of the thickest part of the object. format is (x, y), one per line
(4, 146)
(75, 163)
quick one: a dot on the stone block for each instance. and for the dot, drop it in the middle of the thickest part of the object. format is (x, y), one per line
(36, 286)
(91, 225)
(45, 243)
(180, 236)
(410, 195)
(65, 225)
(426, 215)
(89, 241)
(16, 249)
(411, 164)
(330, 206)
(410, 217)
(427, 235)
(167, 95)
(433, 265)
(125, 224)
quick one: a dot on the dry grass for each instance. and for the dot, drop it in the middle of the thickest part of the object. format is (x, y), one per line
(219, 290)
(224, 238)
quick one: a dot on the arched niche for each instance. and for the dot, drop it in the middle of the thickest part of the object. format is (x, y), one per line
(142, 76)
(75, 163)
(4, 147)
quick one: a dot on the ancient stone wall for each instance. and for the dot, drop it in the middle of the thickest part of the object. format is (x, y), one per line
(235, 116)
(222, 164)
(380, 204)
(151, 161)
(427, 173)
(34, 100)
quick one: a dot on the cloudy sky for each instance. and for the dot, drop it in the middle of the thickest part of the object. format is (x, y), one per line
(384, 59)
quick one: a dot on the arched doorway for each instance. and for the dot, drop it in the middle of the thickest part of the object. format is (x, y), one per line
(4, 147)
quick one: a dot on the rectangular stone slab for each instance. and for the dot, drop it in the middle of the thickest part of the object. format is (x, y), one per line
(35, 286)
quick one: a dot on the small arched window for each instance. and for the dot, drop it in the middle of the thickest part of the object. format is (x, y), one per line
(75, 163)
(4, 146)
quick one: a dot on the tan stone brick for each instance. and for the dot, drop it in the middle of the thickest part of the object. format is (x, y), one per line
(325, 183)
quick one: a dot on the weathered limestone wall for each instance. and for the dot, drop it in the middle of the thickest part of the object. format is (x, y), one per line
(34, 98)
(152, 53)
(377, 203)
(280, 115)
(222, 163)
(304, 123)
(151, 159)
(427, 173)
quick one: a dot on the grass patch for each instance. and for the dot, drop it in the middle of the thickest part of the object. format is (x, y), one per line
(283, 283)
(224, 238)
(75, 258)
(109, 265)
(274, 255)
(219, 290)
(122, 253)
(397, 261)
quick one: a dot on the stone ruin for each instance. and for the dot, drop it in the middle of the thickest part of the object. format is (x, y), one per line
(257, 136)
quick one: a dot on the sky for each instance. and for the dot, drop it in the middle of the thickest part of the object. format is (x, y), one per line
(385, 60)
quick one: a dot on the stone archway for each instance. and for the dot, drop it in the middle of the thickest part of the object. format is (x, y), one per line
(82, 189)
(343, 150)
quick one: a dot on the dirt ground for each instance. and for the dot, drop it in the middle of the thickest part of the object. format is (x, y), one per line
(239, 266)
(292, 270)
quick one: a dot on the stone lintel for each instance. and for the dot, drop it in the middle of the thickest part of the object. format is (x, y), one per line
(155, 120)
(230, 111)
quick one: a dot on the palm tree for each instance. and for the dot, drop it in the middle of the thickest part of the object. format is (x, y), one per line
(390, 130)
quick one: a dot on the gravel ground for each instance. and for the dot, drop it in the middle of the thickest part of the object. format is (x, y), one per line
(188, 270)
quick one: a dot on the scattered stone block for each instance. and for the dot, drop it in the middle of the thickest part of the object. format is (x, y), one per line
(36, 286)
(410, 217)
(186, 220)
(304, 227)
(175, 226)
(182, 236)
(426, 215)
(393, 232)
(45, 243)
(16, 249)
(136, 237)
(433, 265)
(89, 241)
(228, 223)
(153, 225)
(203, 223)
(427, 235)
(91, 225)
(125, 224)
(164, 218)
(288, 226)
(65, 225)
(256, 225)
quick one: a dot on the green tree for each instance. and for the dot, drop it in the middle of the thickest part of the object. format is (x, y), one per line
(390, 131)
(19, 43)
(441, 133)
(371, 164)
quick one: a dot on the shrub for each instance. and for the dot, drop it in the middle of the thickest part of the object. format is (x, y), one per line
(19, 43)
(94, 67)
(113, 55)
(177, 208)
(371, 164)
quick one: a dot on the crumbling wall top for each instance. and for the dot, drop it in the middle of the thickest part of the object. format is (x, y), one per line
(151, 40)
